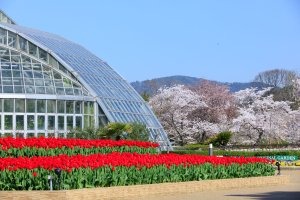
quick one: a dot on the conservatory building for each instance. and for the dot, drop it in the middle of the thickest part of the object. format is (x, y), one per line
(50, 85)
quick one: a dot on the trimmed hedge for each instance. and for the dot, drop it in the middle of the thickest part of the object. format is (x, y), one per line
(240, 153)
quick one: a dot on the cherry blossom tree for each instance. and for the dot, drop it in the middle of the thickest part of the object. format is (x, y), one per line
(218, 113)
(261, 119)
(172, 106)
(194, 115)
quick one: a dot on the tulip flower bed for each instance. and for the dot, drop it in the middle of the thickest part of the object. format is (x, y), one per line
(10, 147)
(116, 169)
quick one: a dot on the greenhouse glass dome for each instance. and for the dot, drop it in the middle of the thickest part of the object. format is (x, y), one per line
(50, 85)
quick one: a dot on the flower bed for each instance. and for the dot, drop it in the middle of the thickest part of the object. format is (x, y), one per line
(116, 168)
(10, 147)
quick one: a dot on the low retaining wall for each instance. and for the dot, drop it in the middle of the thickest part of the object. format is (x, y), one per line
(142, 190)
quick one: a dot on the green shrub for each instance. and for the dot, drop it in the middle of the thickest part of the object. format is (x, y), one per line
(221, 139)
(87, 133)
(114, 131)
(137, 132)
(241, 153)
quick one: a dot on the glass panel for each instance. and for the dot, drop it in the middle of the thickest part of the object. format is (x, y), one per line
(26, 59)
(91, 108)
(69, 91)
(0, 123)
(37, 67)
(60, 91)
(67, 82)
(15, 59)
(0, 107)
(41, 106)
(8, 105)
(29, 89)
(51, 106)
(78, 122)
(78, 107)
(86, 121)
(86, 107)
(69, 122)
(102, 121)
(22, 44)
(50, 90)
(61, 106)
(8, 122)
(19, 89)
(3, 36)
(20, 105)
(30, 105)
(17, 74)
(51, 122)
(69, 106)
(6, 73)
(39, 82)
(53, 62)
(30, 122)
(28, 74)
(19, 122)
(32, 49)
(92, 121)
(43, 55)
(57, 75)
(8, 89)
(100, 111)
(41, 122)
(61, 122)
(12, 39)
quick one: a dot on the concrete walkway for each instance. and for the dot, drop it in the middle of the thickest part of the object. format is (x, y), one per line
(290, 191)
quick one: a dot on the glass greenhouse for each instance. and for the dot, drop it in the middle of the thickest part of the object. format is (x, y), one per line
(49, 85)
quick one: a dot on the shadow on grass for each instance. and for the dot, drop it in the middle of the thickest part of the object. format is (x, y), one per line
(289, 195)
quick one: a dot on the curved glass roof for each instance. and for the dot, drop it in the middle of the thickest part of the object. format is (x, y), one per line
(21, 74)
(117, 98)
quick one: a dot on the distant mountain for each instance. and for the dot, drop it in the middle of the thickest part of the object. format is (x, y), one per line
(151, 86)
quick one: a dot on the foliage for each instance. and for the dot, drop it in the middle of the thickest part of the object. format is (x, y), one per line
(287, 94)
(137, 132)
(129, 131)
(276, 77)
(87, 133)
(114, 131)
(221, 139)
(145, 96)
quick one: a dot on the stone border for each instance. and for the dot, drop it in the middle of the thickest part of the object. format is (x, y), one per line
(143, 190)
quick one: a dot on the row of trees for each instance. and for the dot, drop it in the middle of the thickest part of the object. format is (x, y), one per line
(192, 115)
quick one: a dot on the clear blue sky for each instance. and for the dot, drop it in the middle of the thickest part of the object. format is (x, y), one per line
(143, 39)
